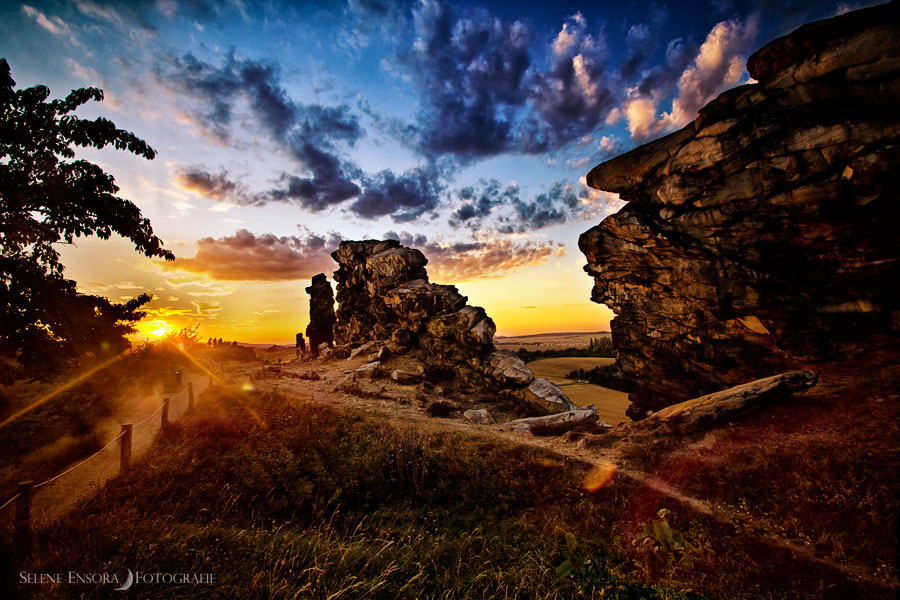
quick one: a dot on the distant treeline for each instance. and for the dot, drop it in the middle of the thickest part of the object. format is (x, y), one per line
(608, 376)
(598, 346)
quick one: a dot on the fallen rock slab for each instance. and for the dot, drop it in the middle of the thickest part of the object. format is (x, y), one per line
(407, 377)
(479, 416)
(587, 414)
(691, 414)
(548, 396)
(367, 371)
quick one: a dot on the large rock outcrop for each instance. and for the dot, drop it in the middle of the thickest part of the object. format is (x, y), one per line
(386, 301)
(321, 313)
(765, 232)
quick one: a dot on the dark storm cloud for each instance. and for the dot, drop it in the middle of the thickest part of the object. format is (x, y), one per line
(246, 256)
(404, 197)
(575, 95)
(330, 183)
(639, 44)
(216, 185)
(478, 202)
(489, 203)
(483, 96)
(470, 72)
(660, 79)
(479, 259)
(308, 132)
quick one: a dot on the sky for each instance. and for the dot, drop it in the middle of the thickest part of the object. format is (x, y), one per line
(463, 129)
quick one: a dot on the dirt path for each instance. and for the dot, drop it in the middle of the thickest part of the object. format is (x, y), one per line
(57, 496)
(334, 373)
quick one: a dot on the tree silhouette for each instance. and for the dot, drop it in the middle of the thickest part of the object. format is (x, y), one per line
(47, 198)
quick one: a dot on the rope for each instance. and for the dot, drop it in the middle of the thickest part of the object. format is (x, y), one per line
(52, 479)
(148, 418)
(10, 501)
(110, 443)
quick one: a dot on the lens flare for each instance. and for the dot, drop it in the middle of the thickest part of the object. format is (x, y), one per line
(599, 476)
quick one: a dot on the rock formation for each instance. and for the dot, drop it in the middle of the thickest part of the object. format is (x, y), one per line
(321, 313)
(387, 305)
(765, 232)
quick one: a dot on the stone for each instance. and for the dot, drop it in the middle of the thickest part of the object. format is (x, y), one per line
(321, 314)
(506, 367)
(760, 236)
(363, 350)
(407, 377)
(688, 416)
(587, 414)
(385, 300)
(367, 371)
(547, 396)
(479, 416)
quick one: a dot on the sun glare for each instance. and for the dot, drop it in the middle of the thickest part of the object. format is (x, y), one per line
(156, 328)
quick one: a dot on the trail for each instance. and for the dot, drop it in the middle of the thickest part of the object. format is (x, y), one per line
(57, 496)
(322, 391)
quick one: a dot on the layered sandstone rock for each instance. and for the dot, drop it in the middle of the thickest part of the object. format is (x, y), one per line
(386, 304)
(321, 313)
(766, 231)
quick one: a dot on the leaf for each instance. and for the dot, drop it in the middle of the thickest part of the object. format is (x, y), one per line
(571, 542)
(564, 569)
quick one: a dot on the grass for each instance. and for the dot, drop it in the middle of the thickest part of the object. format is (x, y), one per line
(560, 367)
(286, 501)
(611, 404)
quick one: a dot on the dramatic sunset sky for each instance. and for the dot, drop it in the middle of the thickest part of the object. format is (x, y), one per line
(462, 129)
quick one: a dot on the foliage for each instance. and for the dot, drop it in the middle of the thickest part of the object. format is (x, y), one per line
(186, 337)
(665, 549)
(608, 376)
(600, 346)
(47, 198)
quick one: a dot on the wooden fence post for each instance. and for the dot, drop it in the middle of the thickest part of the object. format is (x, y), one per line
(125, 455)
(165, 411)
(24, 532)
(190, 387)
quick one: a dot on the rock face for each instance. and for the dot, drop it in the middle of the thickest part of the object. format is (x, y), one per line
(385, 299)
(765, 232)
(321, 313)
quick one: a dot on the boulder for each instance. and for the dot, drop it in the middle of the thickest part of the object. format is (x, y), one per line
(506, 367)
(367, 371)
(587, 414)
(763, 234)
(688, 416)
(407, 377)
(479, 417)
(547, 396)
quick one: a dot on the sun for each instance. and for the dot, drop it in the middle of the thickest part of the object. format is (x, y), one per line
(157, 328)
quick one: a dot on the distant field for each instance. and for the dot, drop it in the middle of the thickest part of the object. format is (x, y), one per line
(559, 367)
(610, 404)
(548, 341)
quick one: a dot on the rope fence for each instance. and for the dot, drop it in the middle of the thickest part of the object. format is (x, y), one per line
(51, 499)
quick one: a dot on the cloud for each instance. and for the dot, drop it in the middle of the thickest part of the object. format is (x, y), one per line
(330, 181)
(245, 256)
(218, 186)
(639, 46)
(372, 20)
(718, 66)
(471, 73)
(53, 24)
(309, 133)
(404, 197)
(480, 259)
(701, 74)
(142, 12)
(490, 204)
(573, 96)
